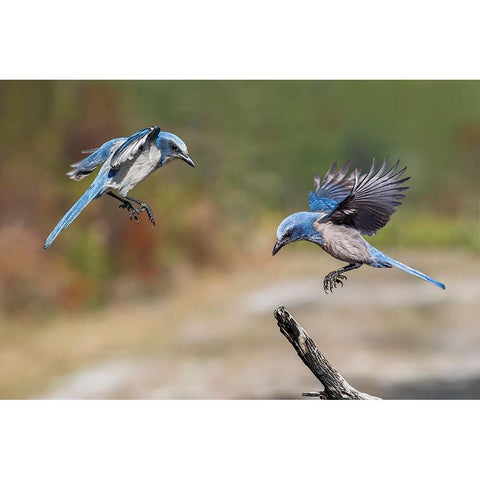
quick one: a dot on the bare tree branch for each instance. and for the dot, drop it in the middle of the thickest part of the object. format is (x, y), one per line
(335, 386)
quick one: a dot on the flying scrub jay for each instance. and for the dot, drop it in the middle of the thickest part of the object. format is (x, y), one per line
(126, 162)
(342, 209)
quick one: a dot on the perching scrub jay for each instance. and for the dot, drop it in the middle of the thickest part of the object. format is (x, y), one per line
(126, 162)
(342, 209)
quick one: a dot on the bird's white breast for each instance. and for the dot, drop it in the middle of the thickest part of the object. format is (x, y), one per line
(344, 243)
(133, 172)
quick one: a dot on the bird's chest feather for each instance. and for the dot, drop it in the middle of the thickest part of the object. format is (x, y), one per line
(344, 243)
(131, 173)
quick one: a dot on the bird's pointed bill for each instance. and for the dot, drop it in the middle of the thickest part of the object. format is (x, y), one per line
(188, 160)
(277, 247)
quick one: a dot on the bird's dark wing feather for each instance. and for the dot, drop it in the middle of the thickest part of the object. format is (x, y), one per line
(372, 199)
(133, 146)
(332, 190)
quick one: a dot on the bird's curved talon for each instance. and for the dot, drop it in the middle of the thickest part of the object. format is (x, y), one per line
(131, 210)
(333, 280)
(146, 208)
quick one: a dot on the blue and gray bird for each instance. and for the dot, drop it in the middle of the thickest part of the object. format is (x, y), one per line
(126, 162)
(343, 207)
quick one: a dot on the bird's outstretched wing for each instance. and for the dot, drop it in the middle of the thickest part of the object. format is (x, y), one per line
(332, 190)
(97, 157)
(133, 146)
(372, 199)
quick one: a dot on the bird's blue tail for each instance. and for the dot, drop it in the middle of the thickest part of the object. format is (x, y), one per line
(94, 191)
(382, 261)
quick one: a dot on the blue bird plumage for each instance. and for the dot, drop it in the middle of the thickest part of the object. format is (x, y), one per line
(126, 162)
(342, 209)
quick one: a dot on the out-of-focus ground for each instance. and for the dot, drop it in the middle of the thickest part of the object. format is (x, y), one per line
(213, 335)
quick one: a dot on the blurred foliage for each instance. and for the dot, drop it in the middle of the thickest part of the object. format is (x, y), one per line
(257, 145)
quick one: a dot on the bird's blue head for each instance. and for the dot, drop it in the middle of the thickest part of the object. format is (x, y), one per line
(172, 147)
(298, 226)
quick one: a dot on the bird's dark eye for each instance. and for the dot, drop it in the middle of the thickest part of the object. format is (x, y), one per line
(174, 147)
(288, 234)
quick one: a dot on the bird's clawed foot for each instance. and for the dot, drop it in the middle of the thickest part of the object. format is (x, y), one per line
(333, 280)
(146, 208)
(134, 212)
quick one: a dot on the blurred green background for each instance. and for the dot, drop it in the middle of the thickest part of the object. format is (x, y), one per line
(256, 144)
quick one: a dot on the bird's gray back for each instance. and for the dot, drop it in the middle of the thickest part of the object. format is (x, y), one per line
(344, 243)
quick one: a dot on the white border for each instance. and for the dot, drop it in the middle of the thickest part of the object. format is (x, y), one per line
(238, 439)
(240, 40)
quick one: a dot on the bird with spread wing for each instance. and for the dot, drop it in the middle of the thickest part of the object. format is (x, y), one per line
(343, 207)
(126, 162)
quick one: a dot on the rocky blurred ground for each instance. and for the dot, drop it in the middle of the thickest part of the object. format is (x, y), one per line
(390, 334)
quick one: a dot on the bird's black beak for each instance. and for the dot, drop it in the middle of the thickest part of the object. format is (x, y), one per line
(188, 160)
(277, 247)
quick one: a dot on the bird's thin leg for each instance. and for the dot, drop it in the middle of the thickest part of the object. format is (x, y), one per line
(132, 211)
(144, 208)
(126, 202)
(333, 279)
(118, 197)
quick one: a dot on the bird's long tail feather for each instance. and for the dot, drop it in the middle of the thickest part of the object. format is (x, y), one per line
(386, 261)
(95, 190)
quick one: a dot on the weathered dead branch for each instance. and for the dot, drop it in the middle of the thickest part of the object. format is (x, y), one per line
(335, 386)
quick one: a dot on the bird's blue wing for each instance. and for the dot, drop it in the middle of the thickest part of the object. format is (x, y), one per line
(133, 146)
(317, 204)
(332, 190)
(90, 163)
